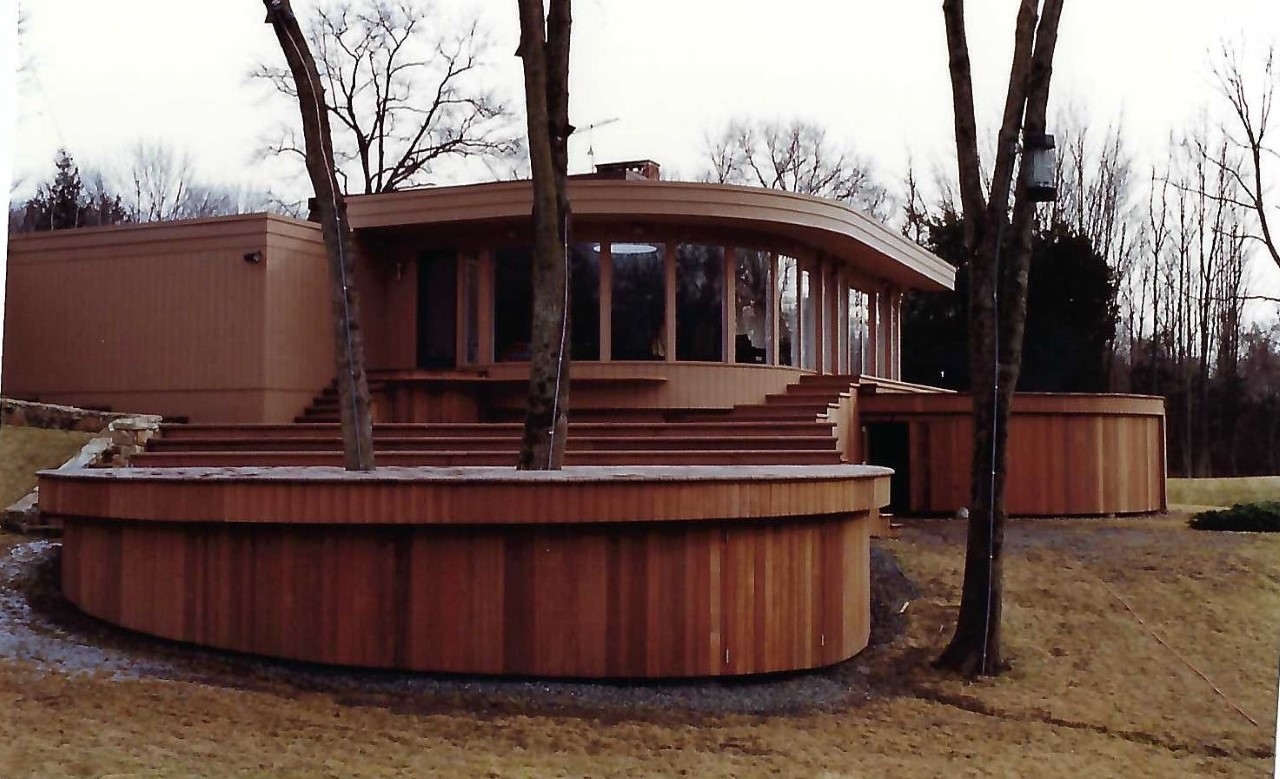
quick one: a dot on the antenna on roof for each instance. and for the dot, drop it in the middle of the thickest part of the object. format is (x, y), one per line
(591, 144)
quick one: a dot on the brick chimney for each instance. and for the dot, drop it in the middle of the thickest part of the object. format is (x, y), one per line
(633, 170)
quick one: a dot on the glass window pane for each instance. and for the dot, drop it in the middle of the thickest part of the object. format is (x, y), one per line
(754, 341)
(639, 313)
(857, 330)
(830, 340)
(699, 302)
(512, 303)
(809, 327)
(584, 337)
(840, 330)
(471, 308)
(788, 312)
(877, 346)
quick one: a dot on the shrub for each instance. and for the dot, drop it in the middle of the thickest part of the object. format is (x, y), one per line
(1242, 517)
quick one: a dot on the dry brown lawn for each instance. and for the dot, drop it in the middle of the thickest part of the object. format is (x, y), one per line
(1224, 492)
(1091, 693)
(25, 450)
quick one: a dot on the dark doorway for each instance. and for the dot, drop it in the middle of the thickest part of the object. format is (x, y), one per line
(438, 309)
(889, 444)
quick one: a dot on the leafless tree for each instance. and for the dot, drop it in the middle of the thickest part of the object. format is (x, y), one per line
(331, 206)
(915, 210)
(160, 183)
(1251, 106)
(404, 90)
(999, 250)
(1095, 186)
(24, 65)
(24, 56)
(544, 54)
(1187, 294)
(795, 156)
(1098, 200)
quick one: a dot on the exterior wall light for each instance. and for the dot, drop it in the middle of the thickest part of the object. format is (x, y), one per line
(253, 258)
(1041, 167)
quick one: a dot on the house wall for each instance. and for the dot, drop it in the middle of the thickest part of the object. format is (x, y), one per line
(166, 318)
(298, 352)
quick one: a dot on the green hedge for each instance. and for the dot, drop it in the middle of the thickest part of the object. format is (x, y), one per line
(1242, 517)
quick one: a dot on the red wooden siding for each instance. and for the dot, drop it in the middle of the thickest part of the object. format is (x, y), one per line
(1069, 455)
(637, 576)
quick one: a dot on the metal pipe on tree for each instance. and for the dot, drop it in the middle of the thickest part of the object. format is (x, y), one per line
(331, 207)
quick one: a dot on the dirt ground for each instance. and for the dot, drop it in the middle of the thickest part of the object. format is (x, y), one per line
(1092, 692)
(25, 450)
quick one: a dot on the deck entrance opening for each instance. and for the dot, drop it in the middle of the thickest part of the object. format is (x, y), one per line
(889, 444)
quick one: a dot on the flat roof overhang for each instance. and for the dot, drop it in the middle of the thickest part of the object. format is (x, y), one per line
(829, 226)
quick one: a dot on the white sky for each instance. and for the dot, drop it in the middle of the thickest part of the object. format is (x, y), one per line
(874, 73)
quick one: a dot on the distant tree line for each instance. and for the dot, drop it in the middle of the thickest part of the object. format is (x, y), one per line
(1138, 279)
(156, 184)
(1139, 283)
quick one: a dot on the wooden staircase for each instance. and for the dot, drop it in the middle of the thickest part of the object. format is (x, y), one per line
(790, 428)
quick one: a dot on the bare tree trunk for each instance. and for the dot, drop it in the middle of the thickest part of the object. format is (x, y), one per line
(353, 388)
(999, 263)
(544, 51)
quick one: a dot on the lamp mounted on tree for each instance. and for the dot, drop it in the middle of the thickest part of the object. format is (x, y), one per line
(1041, 165)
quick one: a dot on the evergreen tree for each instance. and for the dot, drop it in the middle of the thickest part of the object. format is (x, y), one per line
(64, 204)
(1071, 316)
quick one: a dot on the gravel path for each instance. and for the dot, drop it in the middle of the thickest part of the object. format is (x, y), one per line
(39, 627)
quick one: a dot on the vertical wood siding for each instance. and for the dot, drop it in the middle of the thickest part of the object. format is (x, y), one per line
(566, 581)
(1069, 455)
(166, 318)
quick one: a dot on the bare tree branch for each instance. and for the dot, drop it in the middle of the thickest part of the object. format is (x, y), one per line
(1251, 109)
(405, 91)
(796, 157)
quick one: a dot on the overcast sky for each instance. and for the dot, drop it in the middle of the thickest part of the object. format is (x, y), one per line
(105, 74)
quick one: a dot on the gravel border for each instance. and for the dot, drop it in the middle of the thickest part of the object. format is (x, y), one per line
(39, 627)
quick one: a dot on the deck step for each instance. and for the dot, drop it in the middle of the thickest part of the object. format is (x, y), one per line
(786, 428)
(722, 427)
(455, 458)
(496, 443)
(815, 400)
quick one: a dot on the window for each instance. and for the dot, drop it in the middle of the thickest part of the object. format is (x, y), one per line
(638, 318)
(699, 302)
(584, 335)
(808, 329)
(754, 285)
(788, 313)
(841, 327)
(512, 303)
(857, 331)
(471, 308)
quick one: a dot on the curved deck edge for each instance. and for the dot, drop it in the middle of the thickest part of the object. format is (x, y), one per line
(631, 574)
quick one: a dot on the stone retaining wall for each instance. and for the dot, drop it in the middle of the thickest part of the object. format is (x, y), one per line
(121, 436)
(22, 413)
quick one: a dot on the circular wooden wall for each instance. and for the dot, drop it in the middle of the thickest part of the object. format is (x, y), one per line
(1069, 455)
(587, 572)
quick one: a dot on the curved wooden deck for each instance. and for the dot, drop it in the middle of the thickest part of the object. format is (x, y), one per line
(587, 572)
(1069, 454)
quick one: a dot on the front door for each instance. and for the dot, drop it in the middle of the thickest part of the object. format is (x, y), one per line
(438, 309)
